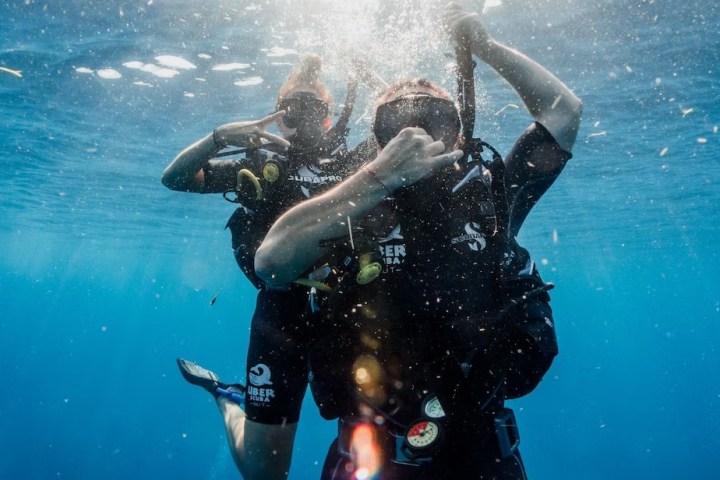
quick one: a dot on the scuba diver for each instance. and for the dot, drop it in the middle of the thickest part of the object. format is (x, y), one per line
(419, 353)
(265, 175)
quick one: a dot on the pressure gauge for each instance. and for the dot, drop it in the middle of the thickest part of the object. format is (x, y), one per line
(432, 407)
(423, 437)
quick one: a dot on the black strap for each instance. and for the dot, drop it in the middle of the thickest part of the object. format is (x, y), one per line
(473, 147)
(336, 136)
(466, 94)
(499, 197)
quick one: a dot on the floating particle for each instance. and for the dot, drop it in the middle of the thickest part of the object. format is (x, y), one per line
(663, 151)
(509, 105)
(172, 61)
(228, 67)
(17, 73)
(134, 64)
(702, 140)
(687, 111)
(108, 74)
(246, 82)
(555, 102)
(281, 52)
(84, 70)
(214, 298)
(159, 71)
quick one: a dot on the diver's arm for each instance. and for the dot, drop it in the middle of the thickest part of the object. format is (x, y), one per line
(292, 245)
(532, 165)
(549, 101)
(185, 172)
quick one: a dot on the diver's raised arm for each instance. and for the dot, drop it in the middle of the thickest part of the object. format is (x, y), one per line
(185, 172)
(243, 134)
(549, 101)
(293, 244)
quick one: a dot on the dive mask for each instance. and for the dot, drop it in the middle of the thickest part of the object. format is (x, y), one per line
(437, 116)
(303, 108)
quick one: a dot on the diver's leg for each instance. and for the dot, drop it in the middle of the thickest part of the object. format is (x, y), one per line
(234, 419)
(260, 451)
(232, 413)
(276, 378)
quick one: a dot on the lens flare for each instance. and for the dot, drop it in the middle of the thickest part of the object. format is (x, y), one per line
(365, 452)
(368, 376)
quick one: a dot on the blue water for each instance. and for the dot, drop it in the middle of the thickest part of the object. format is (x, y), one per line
(106, 276)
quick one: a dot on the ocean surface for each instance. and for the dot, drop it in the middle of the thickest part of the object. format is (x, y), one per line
(106, 276)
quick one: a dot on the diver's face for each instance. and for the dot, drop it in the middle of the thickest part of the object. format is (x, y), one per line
(419, 107)
(306, 118)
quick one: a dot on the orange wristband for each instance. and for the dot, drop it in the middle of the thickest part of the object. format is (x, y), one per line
(377, 179)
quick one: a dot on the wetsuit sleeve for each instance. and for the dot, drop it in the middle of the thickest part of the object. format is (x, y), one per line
(531, 345)
(532, 166)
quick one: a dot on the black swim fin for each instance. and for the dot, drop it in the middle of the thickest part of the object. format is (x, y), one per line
(197, 375)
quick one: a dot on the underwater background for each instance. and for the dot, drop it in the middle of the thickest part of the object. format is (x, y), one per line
(106, 276)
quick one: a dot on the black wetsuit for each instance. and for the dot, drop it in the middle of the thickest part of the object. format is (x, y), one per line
(277, 361)
(429, 326)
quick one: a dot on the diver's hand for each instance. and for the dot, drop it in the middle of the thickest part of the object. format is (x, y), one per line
(464, 26)
(409, 157)
(249, 133)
